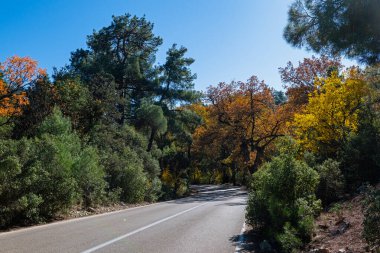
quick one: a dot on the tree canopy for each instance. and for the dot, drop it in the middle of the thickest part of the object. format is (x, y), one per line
(337, 27)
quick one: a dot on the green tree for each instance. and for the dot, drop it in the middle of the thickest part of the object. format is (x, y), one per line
(122, 53)
(176, 88)
(152, 116)
(176, 80)
(41, 103)
(347, 27)
(75, 101)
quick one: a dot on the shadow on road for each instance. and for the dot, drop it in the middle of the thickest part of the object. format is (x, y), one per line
(233, 204)
(214, 193)
(246, 242)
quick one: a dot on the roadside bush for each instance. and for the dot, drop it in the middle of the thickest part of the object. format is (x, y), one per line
(128, 166)
(173, 186)
(153, 191)
(17, 203)
(36, 180)
(181, 188)
(168, 185)
(371, 230)
(44, 176)
(282, 202)
(125, 172)
(196, 175)
(289, 240)
(73, 171)
(331, 183)
(53, 158)
(89, 175)
(131, 178)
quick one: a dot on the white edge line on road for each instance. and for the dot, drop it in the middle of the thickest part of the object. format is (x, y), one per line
(54, 223)
(240, 241)
(139, 230)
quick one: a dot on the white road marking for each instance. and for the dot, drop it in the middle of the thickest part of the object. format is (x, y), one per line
(73, 220)
(240, 241)
(91, 216)
(139, 230)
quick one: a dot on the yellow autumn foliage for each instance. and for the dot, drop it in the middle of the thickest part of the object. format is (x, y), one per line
(167, 177)
(331, 113)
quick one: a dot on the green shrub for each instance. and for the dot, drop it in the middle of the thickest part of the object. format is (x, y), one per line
(55, 124)
(16, 204)
(128, 166)
(331, 185)
(37, 180)
(181, 188)
(153, 190)
(89, 175)
(53, 154)
(132, 178)
(56, 183)
(282, 202)
(289, 240)
(371, 230)
(44, 176)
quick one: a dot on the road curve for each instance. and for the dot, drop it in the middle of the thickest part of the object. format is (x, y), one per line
(210, 221)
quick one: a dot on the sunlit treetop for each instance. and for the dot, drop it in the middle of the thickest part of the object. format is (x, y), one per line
(332, 112)
(17, 74)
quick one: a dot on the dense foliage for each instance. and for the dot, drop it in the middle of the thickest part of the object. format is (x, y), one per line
(331, 113)
(240, 125)
(47, 174)
(347, 27)
(116, 126)
(106, 128)
(282, 201)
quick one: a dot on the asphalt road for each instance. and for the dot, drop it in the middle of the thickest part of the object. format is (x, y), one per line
(210, 221)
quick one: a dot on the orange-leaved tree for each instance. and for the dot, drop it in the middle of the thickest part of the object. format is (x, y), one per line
(16, 75)
(242, 121)
(299, 80)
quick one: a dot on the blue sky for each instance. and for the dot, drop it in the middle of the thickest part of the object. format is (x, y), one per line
(229, 39)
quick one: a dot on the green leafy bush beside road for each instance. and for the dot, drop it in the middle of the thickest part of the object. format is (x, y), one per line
(282, 202)
(44, 176)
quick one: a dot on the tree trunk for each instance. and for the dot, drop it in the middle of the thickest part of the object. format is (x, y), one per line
(244, 149)
(234, 174)
(258, 160)
(151, 139)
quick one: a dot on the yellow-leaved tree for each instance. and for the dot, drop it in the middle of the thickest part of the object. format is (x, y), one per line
(332, 112)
